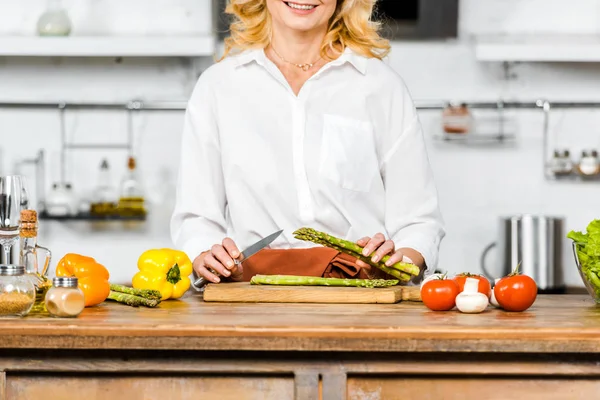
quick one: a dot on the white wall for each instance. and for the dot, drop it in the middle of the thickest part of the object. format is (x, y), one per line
(476, 184)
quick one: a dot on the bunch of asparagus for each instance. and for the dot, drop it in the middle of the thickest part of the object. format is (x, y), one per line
(292, 280)
(403, 271)
(134, 297)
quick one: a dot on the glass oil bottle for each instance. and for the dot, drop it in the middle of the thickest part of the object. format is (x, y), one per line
(29, 259)
(131, 201)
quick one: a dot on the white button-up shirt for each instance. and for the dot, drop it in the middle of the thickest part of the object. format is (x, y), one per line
(345, 156)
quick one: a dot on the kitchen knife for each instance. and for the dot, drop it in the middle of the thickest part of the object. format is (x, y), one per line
(246, 254)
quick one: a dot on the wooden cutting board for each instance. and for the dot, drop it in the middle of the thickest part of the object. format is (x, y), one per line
(244, 292)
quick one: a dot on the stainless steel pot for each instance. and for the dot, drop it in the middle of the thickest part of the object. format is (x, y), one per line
(536, 242)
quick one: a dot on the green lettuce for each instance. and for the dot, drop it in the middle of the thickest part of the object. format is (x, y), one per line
(588, 253)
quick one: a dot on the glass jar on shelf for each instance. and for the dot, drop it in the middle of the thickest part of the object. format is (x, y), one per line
(54, 21)
(17, 292)
(561, 163)
(104, 202)
(457, 118)
(131, 200)
(588, 166)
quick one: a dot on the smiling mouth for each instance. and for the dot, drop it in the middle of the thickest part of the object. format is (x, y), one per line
(297, 6)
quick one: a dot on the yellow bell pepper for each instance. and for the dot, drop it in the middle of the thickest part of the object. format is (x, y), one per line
(165, 270)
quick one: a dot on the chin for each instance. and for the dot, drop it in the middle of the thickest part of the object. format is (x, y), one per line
(300, 25)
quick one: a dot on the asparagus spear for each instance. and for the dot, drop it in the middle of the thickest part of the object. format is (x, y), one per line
(393, 272)
(354, 248)
(145, 293)
(291, 280)
(132, 300)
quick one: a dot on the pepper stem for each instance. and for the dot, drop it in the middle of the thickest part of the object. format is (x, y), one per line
(174, 274)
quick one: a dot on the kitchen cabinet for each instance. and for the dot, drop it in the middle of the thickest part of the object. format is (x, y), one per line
(538, 48)
(191, 349)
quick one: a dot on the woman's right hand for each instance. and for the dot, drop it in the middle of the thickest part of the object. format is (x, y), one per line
(220, 260)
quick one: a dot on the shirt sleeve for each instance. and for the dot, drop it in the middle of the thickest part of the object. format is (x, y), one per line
(199, 216)
(412, 215)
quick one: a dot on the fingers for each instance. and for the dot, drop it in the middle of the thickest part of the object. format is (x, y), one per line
(386, 248)
(231, 248)
(373, 244)
(211, 262)
(363, 242)
(218, 261)
(223, 257)
(395, 258)
(202, 271)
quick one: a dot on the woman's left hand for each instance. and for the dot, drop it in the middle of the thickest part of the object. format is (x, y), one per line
(377, 246)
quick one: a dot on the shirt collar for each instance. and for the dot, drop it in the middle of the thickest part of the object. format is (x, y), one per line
(348, 56)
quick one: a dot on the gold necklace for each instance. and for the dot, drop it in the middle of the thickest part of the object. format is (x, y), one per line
(303, 67)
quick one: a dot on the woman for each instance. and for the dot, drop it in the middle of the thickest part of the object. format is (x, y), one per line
(302, 124)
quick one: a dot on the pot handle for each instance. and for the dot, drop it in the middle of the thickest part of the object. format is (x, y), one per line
(484, 256)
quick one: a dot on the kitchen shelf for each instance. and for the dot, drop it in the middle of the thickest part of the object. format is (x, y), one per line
(538, 48)
(573, 177)
(89, 217)
(475, 138)
(108, 46)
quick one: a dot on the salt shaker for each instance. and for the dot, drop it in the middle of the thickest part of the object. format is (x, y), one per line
(65, 299)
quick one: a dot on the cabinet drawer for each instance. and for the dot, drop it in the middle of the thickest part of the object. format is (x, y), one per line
(459, 388)
(148, 387)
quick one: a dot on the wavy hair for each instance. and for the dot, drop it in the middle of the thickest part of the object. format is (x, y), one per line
(350, 26)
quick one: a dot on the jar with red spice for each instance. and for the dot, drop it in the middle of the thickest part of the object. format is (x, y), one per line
(457, 118)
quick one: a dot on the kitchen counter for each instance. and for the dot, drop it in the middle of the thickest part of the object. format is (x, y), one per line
(189, 349)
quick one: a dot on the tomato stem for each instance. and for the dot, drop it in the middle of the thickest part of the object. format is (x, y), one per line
(516, 270)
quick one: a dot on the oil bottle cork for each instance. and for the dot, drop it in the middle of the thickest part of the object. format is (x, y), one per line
(29, 224)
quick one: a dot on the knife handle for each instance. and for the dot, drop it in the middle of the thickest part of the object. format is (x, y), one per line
(199, 283)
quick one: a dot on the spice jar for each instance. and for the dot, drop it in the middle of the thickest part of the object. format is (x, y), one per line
(17, 292)
(457, 118)
(65, 299)
(561, 164)
(588, 165)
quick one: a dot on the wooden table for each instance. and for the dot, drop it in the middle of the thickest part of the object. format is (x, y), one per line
(195, 350)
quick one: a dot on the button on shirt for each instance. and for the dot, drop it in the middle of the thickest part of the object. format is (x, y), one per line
(345, 156)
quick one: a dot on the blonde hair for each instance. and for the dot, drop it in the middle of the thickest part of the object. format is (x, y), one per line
(350, 26)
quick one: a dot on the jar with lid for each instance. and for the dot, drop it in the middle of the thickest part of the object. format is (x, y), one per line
(561, 164)
(456, 118)
(65, 299)
(589, 167)
(17, 292)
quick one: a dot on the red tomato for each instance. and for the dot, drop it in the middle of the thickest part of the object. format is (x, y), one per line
(439, 294)
(484, 284)
(515, 292)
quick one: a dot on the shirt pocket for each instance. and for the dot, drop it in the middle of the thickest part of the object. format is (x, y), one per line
(348, 155)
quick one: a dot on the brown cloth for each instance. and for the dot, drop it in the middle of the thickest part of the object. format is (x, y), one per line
(316, 261)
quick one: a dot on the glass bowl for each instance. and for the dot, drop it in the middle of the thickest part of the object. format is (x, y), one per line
(589, 270)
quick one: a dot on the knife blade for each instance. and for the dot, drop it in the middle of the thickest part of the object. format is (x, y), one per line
(246, 254)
